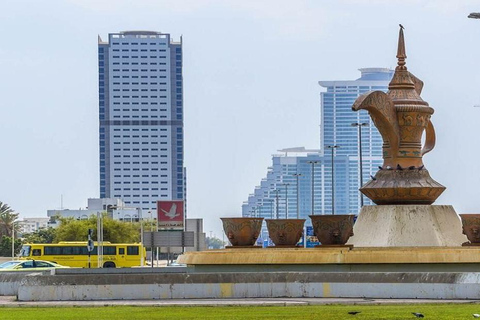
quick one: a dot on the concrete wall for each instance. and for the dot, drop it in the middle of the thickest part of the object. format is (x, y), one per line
(10, 282)
(250, 285)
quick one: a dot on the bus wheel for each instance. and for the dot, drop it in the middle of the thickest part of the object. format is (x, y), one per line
(109, 265)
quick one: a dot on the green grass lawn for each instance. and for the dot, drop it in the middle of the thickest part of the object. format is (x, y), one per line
(431, 311)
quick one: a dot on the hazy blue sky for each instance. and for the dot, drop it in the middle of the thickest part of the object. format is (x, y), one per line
(250, 75)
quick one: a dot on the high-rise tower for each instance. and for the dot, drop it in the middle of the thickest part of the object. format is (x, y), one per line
(298, 173)
(141, 118)
(337, 129)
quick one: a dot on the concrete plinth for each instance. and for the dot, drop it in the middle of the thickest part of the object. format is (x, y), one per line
(408, 226)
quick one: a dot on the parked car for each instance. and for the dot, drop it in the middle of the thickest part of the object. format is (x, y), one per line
(26, 265)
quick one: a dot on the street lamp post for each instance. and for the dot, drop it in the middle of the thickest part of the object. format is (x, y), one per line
(271, 206)
(333, 147)
(360, 125)
(286, 199)
(99, 239)
(276, 202)
(139, 210)
(13, 241)
(140, 219)
(313, 163)
(297, 175)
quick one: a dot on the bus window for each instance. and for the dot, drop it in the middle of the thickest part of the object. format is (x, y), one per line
(53, 251)
(25, 252)
(110, 250)
(121, 250)
(37, 252)
(132, 250)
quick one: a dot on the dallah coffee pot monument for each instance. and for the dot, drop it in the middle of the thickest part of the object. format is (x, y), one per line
(403, 188)
(401, 117)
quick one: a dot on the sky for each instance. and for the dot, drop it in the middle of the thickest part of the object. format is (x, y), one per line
(251, 72)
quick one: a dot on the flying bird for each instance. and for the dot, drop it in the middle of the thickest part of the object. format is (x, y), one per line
(418, 315)
(172, 213)
(353, 312)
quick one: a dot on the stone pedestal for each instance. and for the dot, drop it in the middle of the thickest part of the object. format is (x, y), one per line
(407, 226)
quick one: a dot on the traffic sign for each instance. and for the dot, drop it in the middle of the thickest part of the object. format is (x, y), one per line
(90, 245)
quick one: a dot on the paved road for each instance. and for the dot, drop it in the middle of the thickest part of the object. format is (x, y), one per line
(9, 301)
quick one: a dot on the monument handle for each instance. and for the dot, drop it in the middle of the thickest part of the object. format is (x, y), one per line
(429, 138)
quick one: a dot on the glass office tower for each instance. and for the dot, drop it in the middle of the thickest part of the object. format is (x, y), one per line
(279, 193)
(141, 118)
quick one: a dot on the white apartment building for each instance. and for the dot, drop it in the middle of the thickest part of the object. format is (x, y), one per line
(141, 118)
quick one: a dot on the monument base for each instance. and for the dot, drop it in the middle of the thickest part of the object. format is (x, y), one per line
(408, 226)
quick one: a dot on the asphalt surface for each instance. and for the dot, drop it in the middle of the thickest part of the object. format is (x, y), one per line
(9, 301)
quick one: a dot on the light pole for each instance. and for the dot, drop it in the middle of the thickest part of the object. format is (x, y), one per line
(474, 15)
(298, 175)
(313, 163)
(259, 211)
(139, 212)
(13, 241)
(276, 202)
(360, 125)
(286, 199)
(333, 147)
(271, 206)
(99, 239)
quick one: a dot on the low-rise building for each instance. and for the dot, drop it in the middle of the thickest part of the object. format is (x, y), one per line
(115, 208)
(30, 225)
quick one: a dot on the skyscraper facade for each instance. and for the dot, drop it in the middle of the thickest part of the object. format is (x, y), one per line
(141, 118)
(296, 174)
(336, 122)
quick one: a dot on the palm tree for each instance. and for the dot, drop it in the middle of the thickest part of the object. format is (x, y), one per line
(7, 220)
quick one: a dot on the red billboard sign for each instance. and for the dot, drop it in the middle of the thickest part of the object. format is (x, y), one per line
(170, 214)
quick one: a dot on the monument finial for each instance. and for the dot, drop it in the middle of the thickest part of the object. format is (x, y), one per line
(401, 54)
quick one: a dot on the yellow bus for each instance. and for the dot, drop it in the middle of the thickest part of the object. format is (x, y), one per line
(75, 254)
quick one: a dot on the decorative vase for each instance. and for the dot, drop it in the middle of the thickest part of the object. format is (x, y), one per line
(333, 229)
(471, 228)
(242, 232)
(285, 232)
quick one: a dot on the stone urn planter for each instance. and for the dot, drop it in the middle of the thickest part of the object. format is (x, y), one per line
(242, 232)
(333, 230)
(471, 228)
(285, 233)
